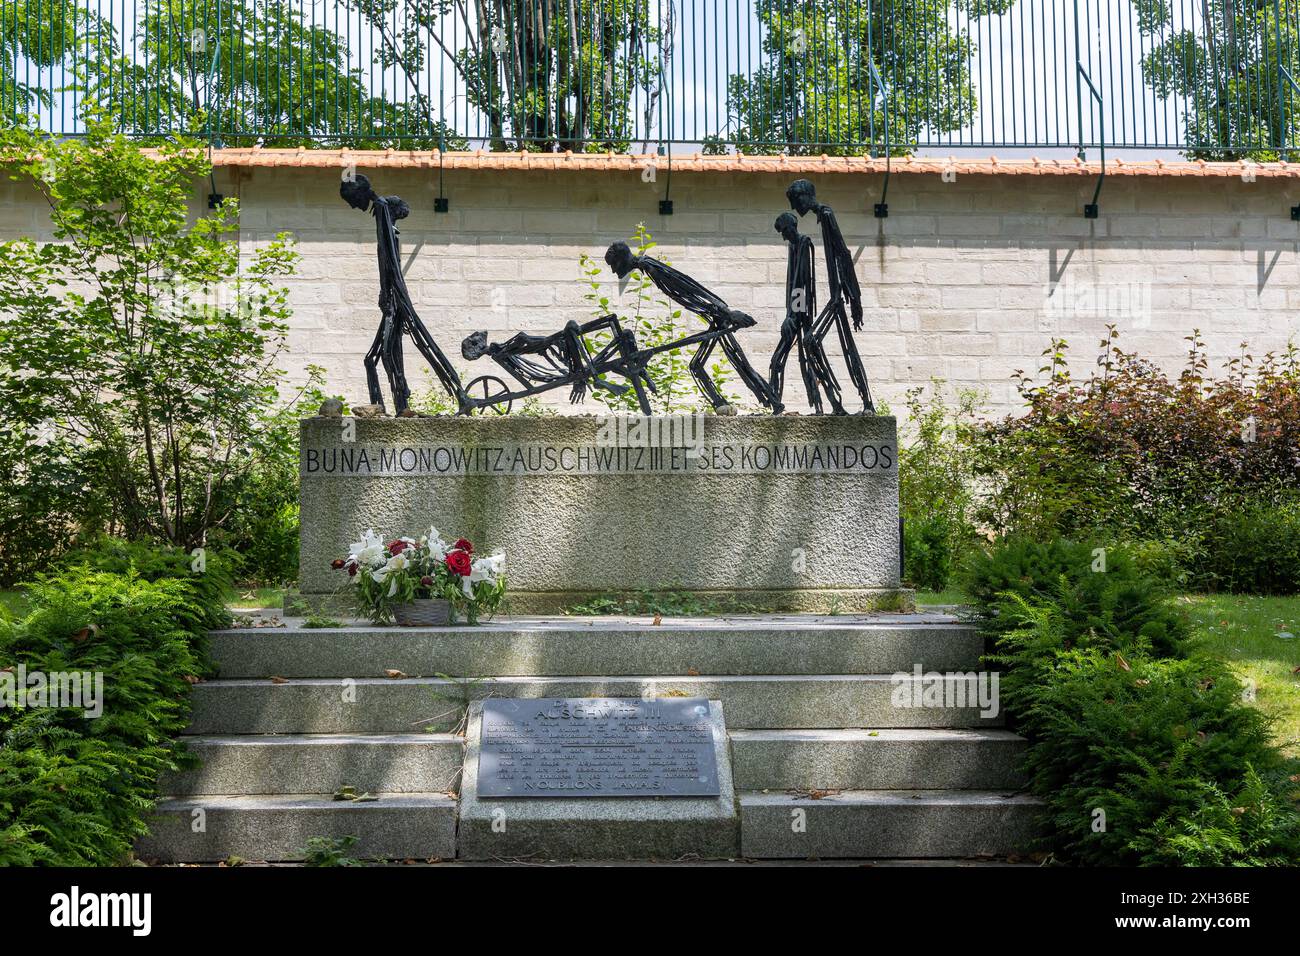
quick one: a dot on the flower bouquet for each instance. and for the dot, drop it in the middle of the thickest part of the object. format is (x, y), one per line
(423, 580)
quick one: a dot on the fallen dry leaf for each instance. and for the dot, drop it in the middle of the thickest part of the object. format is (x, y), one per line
(659, 619)
(692, 672)
(1123, 664)
(394, 673)
(276, 679)
(191, 679)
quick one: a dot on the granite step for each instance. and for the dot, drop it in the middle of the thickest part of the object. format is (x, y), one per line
(880, 759)
(615, 647)
(378, 705)
(319, 763)
(277, 827)
(887, 823)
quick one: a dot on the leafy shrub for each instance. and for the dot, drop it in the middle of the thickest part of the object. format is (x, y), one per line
(74, 791)
(1253, 549)
(1165, 561)
(928, 552)
(256, 520)
(1116, 609)
(138, 348)
(159, 562)
(1132, 454)
(1141, 749)
(936, 486)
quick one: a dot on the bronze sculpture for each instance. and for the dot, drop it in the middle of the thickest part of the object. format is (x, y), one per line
(397, 313)
(723, 321)
(844, 288)
(566, 358)
(540, 363)
(797, 328)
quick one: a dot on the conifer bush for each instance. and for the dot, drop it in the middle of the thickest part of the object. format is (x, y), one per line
(1141, 746)
(75, 790)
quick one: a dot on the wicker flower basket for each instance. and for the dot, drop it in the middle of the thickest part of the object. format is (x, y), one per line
(423, 612)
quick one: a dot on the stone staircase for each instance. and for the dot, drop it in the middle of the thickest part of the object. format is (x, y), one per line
(298, 713)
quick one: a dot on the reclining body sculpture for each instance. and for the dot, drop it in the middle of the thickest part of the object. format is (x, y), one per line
(540, 363)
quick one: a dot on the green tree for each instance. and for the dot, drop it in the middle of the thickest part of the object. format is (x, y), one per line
(543, 73)
(245, 69)
(816, 90)
(35, 38)
(137, 340)
(1224, 66)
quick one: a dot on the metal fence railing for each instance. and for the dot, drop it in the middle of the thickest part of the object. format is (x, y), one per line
(1214, 78)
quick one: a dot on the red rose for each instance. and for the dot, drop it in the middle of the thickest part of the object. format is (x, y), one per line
(397, 547)
(426, 582)
(337, 563)
(464, 545)
(458, 562)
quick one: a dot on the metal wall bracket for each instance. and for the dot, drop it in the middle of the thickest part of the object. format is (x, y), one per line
(881, 209)
(666, 204)
(440, 202)
(1091, 209)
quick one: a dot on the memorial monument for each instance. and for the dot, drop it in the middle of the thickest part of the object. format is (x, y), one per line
(786, 512)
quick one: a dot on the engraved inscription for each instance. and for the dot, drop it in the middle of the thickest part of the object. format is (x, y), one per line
(533, 459)
(597, 747)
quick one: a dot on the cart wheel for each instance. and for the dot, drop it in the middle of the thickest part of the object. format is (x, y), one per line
(486, 393)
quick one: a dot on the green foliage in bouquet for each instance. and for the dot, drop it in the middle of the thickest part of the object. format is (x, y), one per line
(388, 575)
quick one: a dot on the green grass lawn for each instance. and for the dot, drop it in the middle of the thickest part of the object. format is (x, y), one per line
(250, 597)
(1245, 630)
(946, 596)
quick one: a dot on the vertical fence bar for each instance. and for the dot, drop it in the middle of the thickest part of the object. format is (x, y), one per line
(326, 77)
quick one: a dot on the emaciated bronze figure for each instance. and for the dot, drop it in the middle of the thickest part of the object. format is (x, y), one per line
(397, 314)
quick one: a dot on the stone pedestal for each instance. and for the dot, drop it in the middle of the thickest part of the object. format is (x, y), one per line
(780, 513)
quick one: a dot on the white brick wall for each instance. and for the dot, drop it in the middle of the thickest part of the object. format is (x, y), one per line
(954, 282)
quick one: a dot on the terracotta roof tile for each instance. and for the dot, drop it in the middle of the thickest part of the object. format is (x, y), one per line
(739, 163)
